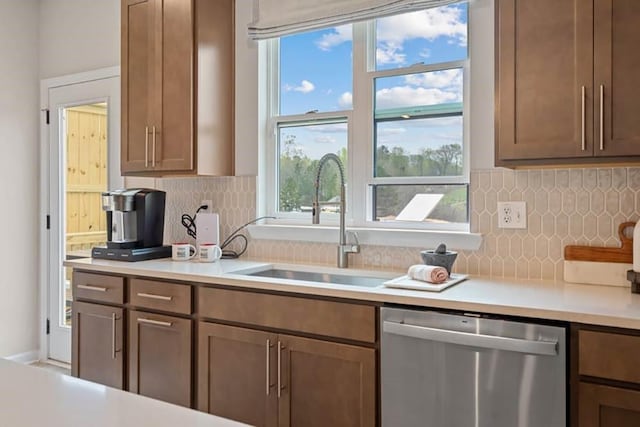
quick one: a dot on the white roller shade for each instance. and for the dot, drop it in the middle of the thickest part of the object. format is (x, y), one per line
(276, 18)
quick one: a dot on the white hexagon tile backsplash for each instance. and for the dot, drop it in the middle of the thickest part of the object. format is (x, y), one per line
(564, 207)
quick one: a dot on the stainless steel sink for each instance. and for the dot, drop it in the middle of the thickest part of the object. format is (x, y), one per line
(340, 279)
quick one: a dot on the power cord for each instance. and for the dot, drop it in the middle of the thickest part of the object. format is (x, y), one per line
(189, 222)
(231, 254)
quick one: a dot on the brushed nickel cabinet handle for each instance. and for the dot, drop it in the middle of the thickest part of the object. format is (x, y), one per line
(601, 117)
(268, 350)
(113, 335)
(280, 347)
(583, 124)
(154, 296)
(153, 149)
(154, 322)
(146, 146)
(92, 288)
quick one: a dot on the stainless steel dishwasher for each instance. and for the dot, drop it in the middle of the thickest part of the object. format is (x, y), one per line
(463, 370)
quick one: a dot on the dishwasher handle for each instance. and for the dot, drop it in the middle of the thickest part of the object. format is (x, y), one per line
(544, 348)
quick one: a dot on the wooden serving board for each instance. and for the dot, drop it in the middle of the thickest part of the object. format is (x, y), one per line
(623, 254)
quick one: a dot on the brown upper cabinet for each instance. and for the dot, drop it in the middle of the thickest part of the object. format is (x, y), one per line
(567, 82)
(177, 87)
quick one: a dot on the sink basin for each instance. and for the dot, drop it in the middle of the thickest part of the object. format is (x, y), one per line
(339, 279)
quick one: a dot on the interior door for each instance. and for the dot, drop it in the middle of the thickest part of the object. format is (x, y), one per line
(83, 157)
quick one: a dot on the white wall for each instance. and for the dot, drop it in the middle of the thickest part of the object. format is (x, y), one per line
(78, 35)
(19, 219)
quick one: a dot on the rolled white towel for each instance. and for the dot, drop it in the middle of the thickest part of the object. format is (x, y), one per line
(428, 273)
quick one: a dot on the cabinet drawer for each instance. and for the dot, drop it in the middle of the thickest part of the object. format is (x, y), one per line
(98, 287)
(170, 297)
(335, 319)
(608, 355)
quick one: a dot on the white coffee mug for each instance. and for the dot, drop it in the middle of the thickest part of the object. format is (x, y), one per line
(182, 251)
(209, 252)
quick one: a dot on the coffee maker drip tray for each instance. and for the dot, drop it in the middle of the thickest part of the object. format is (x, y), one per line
(137, 254)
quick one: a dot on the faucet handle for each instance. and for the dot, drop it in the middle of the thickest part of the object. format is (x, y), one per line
(355, 237)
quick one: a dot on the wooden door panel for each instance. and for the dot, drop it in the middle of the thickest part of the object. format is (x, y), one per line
(543, 59)
(174, 139)
(234, 366)
(160, 357)
(98, 344)
(617, 70)
(137, 86)
(327, 384)
(603, 406)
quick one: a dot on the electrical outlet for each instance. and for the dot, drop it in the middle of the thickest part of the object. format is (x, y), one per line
(512, 214)
(208, 203)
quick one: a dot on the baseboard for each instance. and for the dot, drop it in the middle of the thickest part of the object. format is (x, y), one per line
(26, 357)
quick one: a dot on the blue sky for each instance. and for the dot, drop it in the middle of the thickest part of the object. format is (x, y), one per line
(316, 74)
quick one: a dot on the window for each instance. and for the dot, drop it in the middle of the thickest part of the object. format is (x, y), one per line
(388, 97)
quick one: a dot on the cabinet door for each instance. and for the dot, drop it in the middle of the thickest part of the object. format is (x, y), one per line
(544, 59)
(237, 374)
(326, 384)
(172, 143)
(139, 82)
(160, 357)
(602, 406)
(617, 77)
(98, 344)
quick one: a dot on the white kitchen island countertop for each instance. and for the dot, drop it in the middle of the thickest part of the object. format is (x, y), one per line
(591, 304)
(36, 397)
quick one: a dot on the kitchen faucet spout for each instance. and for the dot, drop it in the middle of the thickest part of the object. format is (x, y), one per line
(344, 249)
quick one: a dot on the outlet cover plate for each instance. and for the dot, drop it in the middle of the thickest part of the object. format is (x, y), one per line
(512, 215)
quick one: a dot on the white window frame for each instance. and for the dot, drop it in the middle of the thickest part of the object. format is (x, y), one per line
(360, 122)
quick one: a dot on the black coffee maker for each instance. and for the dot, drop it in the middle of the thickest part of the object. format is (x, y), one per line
(135, 225)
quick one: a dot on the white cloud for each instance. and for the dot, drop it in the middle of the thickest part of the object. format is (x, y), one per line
(426, 24)
(324, 139)
(391, 131)
(305, 86)
(337, 36)
(441, 79)
(330, 128)
(346, 100)
(394, 31)
(388, 53)
(402, 96)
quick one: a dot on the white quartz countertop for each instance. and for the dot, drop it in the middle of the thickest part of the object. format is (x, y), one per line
(35, 397)
(591, 304)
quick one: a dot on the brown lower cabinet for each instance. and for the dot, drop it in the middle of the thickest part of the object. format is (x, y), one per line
(98, 344)
(268, 379)
(608, 378)
(160, 357)
(604, 406)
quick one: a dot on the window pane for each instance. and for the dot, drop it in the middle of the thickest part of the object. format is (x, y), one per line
(422, 203)
(429, 36)
(316, 71)
(300, 149)
(418, 124)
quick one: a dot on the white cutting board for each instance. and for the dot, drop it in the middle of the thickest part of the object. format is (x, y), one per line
(597, 273)
(405, 282)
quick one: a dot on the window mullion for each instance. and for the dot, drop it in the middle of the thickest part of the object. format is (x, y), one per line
(361, 147)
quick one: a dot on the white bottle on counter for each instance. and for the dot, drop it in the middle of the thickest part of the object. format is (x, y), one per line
(636, 248)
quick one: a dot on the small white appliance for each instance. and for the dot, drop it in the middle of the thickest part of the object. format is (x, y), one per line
(207, 228)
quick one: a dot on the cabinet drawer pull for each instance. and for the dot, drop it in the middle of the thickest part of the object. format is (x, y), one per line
(154, 296)
(113, 335)
(280, 347)
(153, 148)
(268, 350)
(584, 113)
(601, 117)
(154, 322)
(92, 288)
(146, 146)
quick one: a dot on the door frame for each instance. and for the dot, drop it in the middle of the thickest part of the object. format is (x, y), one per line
(44, 200)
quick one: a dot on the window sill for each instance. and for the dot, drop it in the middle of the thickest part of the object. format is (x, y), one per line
(424, 239)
